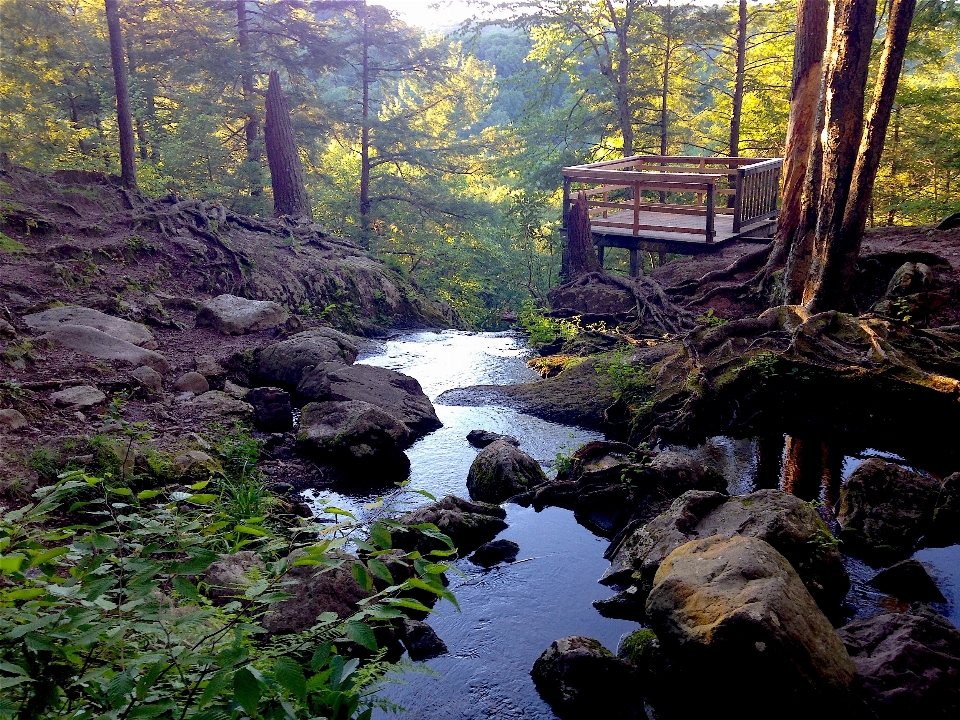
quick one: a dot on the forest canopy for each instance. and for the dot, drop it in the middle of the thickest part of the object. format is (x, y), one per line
(442, 152)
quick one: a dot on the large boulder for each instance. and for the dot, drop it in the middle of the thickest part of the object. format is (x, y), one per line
(421, 640)
(908, 664)
(908, 580)
(232, 315)
(945, 528)
(467, 524)
(356, 437)
(501, 471)
(271, 408)
(284, 363)
(50, 320)
(229, 577)
(726, 609)
(790, 525)
(884, 510)
(393, 392)
(218, 404)
(593, 293)
(580, 678)
(77, 397)
(315, 590)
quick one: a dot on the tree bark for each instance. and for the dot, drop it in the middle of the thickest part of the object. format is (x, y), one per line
(128, 163)
(286, 171)
(812, 17)
(836, 254)
(365, 132)
(581, 255)
(251, 128)
(739, 80)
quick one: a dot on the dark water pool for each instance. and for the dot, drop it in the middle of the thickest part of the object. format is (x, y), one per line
(511, 613)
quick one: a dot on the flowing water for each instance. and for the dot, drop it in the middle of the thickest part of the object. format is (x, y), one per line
(511, 613)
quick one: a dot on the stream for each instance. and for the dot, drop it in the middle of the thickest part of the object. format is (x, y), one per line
(509, 614)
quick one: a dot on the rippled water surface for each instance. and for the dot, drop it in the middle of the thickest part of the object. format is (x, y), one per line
(511, 613)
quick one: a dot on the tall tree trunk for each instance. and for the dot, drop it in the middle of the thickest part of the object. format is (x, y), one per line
(581, 255)
(624, 114)
(251, 128)
(665, 86)
(739, 80)
(128, 163)
(286, 171)
(141, 126)
(838, 245)
(365, 133)
(811, 41)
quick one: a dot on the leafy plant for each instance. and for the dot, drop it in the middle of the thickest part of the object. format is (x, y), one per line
(628, 381)
(102, 615)
(543, 330)
(764, 363)
(710, 319)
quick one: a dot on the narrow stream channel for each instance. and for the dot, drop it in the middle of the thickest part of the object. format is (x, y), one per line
(510, 613)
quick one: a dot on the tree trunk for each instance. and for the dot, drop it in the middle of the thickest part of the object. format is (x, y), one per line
(837, 253)
(802, 127)
(286, 171)
(128, 166)
(622, 80)
(739, 80)
(251, 128)
(365, 134)
(581, 255)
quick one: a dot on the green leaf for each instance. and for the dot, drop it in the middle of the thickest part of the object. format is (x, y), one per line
(361, 634)
(290, 675)
(202, 498)
(48, 556)
(11, 563)
(380, 569)
(187, 589)
(409, 604)
(103, 542)
(246, 690)
(361, 575)
(8, 682)
(331, 510)
(198, 561)
(435, 589)
(147, 494)
(250, 530)
(121, 491)
(218, 683)
(381, 536)
(200, 485)
(119, 690)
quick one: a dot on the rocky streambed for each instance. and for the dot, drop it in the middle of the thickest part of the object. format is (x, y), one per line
(511, 612)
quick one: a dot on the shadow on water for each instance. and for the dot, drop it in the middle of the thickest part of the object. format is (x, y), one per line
(511, 613)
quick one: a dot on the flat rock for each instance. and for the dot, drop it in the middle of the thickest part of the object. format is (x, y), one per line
(215, 402)
(725, 609)
(78, 397)
(96, 343)
(192, 382)
(149, 378)
(357, 437)
(790, 525)
(482, 438)
(11, 419)
(393, 392)
(467, 524)
(131, 332)
(501, 471)
(884, 510)
(283, 363)
(908, 580)
(908, 664)
(232, 315)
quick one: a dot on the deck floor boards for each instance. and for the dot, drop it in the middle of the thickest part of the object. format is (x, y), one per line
(723, 226)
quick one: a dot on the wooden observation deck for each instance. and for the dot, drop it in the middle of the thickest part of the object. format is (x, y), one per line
(675, 204)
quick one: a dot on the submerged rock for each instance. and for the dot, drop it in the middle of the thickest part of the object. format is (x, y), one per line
(467, 524)
(482, 438)
(232, 315)
(580, 678)
(357, 437)
(790, 525)
(501, 471)
(908, 664)
(725, 609)
(907, 580)
(421, 640)
(284, 363)
(884, 510)
(495, 551)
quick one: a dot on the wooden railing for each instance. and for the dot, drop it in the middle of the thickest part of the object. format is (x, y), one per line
(749, 186)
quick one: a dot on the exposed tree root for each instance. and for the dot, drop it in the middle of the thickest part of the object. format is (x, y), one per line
(748, 261)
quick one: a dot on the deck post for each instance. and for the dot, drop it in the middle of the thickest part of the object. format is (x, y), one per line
(710, 209)
(738, 201)
(634, 262)
(636, 208)
(600, 247)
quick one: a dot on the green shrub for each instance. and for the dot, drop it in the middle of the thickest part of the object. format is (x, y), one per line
(102, 616)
